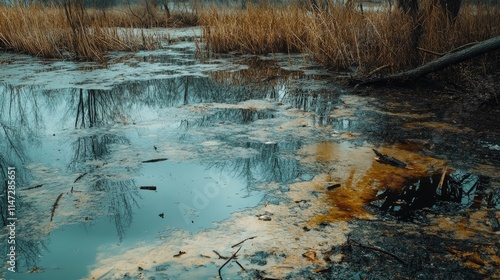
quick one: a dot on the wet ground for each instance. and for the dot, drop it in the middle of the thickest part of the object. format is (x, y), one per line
(165, 163)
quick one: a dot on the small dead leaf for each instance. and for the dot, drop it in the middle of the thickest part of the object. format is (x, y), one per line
(474, 257)
(311, 255)
(321, 269)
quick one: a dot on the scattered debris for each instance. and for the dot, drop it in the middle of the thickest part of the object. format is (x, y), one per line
(150, 188)
(154, 160)
(388, 160)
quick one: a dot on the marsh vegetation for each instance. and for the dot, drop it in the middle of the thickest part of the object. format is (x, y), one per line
(370, 37)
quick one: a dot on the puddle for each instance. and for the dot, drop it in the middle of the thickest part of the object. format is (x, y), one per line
(121, 168)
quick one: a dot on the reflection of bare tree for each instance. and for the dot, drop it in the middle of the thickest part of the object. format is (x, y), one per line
(321, 104)
(269, 165)
(98, 107)
(121, 196)
(19, 123)
(94, 147)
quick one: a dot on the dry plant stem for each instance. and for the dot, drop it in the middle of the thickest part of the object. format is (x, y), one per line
(441, 181)
(376, 248)
(249, 238)
(232, 257)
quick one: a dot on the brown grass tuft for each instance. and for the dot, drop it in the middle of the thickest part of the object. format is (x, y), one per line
(70, 31)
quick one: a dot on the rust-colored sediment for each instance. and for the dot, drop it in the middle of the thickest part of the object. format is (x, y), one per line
(361, 176)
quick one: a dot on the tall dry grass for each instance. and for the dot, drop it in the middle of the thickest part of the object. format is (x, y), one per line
(70, 31)
(342, 37)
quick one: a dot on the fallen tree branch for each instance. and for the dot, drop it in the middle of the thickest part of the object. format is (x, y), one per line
(438, 64)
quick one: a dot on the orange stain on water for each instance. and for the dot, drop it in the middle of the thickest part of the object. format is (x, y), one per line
(362, 177)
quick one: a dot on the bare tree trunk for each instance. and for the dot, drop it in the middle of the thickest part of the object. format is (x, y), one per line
(437, 64)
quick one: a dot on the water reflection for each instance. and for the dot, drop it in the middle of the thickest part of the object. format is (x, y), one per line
(31, 120)
(102, 133)
(270, 164)
(464, 189)
(19, 124)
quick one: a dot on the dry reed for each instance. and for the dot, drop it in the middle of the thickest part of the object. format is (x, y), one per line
(74, 32)
(342, 37)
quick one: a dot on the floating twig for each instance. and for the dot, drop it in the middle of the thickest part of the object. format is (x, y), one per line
(220, 256)
(243, 241)
(332, 187)
(35, 187)
(441, 181)
(154, 160)
(240, 265)
(179, 254)
(389, 160)
(79, 177)
(376, 248)
(232, 257)
(55, 206)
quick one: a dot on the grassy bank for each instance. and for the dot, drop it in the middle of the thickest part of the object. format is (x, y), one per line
(85, 34)
(341, 37)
